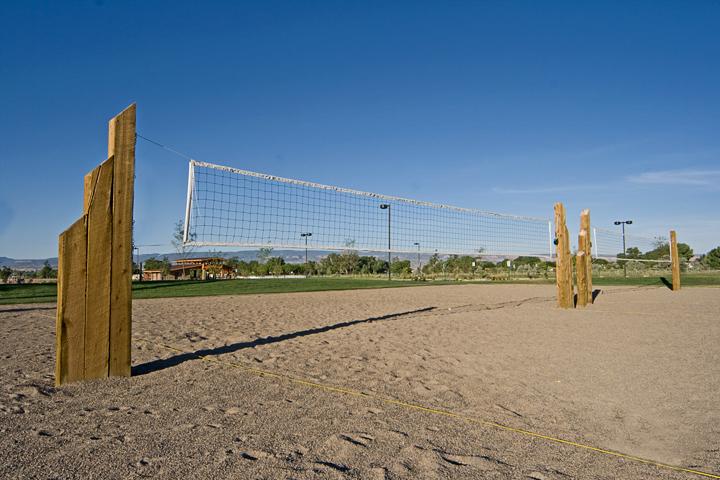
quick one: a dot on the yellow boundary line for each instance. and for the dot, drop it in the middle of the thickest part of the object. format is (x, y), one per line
(437, 411)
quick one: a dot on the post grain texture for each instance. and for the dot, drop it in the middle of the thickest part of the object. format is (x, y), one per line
(581, 269)
(564, 260)
(585, 225)
(97, 326)
(675, 257)
(70, 323)
(121, 146)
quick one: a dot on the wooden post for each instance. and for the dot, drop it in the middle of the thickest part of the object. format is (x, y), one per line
(582, 277)
(70, 323)
(121, 146)
(581, 269)
(95, 268)
(585, 225)
(563, 268)
(97, 302)
(675, 257)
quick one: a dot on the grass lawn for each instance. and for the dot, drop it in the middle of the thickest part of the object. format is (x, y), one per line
(41, 293)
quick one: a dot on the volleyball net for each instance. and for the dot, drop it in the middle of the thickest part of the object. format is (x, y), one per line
(616, 246)
(229, 207)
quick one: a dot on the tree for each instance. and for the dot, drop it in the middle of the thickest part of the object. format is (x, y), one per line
(531, 261)
(47, 271)
(153, 263)
(5, 273)
(662, 251)
(178, 241)
(400, 267)
(712, 258)
(264, 254)
(274, 265)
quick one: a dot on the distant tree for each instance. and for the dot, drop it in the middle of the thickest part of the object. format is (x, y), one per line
(178, 238)
(264, 254)
(348, 262)
(400, 267)
(178, 241)
(434, 265)
(274, 265)
(662, 251)
(531, 261)
(47, 271)
(233, 263)
(330, 265)
(5, 273)
(712, 258)
(459, 264)
(153, 263)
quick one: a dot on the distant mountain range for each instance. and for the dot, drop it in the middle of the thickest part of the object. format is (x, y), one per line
(27, 264)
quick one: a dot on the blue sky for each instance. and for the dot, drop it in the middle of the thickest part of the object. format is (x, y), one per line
(502, 106)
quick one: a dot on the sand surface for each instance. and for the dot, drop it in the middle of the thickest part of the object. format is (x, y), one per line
(638, 372)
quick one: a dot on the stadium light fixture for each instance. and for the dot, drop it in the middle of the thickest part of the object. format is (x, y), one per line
(623, 223)
(386, 206)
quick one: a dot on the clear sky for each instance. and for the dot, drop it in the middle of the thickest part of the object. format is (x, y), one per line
(498, 105)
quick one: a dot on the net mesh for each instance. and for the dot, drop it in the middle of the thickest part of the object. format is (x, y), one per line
(608, 245)
(232, 207)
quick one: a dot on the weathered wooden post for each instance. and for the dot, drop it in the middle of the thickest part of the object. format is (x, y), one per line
(581, 269)
(94, 310)
(563, 268)
(675, 258)
(585, 225)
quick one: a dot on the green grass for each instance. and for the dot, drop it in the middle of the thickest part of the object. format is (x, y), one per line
(686, 280)
(245, 287)
(41, 293)
(30, 293)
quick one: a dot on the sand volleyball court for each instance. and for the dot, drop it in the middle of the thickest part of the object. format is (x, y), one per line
(471, 381)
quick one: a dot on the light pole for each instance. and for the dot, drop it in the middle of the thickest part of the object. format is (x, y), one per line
(386, 206)
(417, 244)
(623, 223)
(306, 235)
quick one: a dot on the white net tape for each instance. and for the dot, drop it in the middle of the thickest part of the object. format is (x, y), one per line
(232, 207)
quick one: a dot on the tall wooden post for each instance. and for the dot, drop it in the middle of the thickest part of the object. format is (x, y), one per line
(675, 257)
(582, 277)
(585, 225)
(121, 145)
(563, 266)
(95, 268)
(581, 269)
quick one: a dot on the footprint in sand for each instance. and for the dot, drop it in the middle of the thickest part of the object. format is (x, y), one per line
(482, 462)
(254, 455)
(362, 439)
